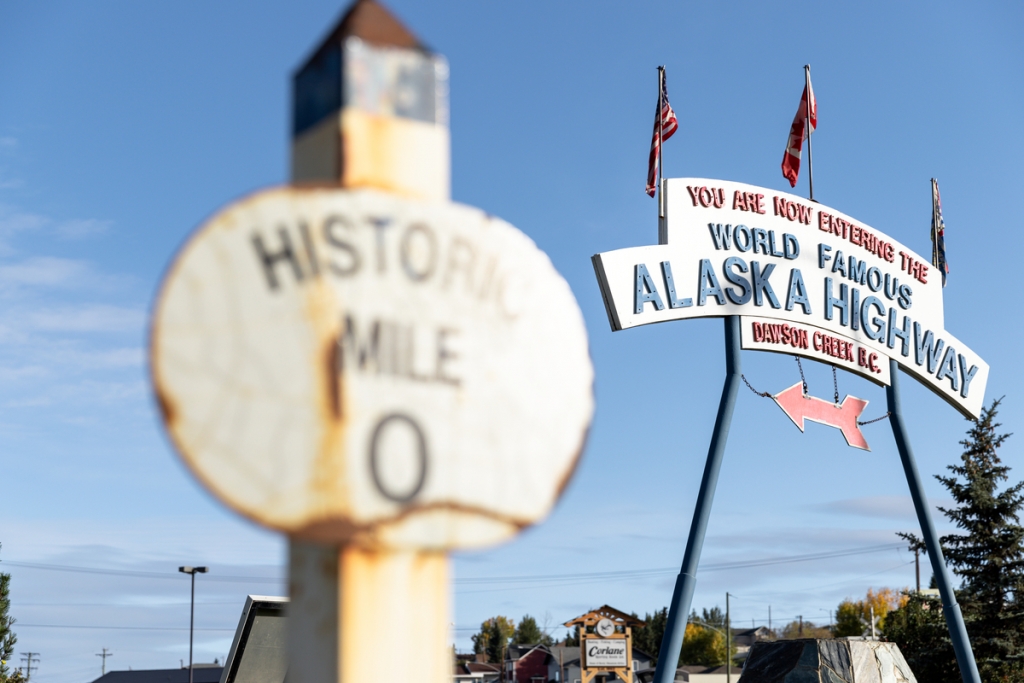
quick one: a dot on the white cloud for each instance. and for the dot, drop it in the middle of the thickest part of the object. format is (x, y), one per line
(44, 271)
(82, 228)
(87, 318)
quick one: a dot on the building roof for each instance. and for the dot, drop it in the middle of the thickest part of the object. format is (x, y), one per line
(206, 673)
(569, 653)
(514, 652)
(606, 612)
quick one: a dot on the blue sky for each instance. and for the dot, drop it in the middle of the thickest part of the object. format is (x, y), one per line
(123, 125)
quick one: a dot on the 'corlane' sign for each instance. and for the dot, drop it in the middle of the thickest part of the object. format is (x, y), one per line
(852, 295)
(606, 653)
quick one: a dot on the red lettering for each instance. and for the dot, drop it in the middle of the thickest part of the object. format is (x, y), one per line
(871, 363)
(817, 341)
(780, 205)
(739, 201)
(862, 356)
(705, 197)
(758, 203)
(804, 214)
(693, 193)
(923, 276)
(756, 329)
(824, 221)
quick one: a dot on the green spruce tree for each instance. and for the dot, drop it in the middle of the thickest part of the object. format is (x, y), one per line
(7, 636)
(988, 557)
(529, 633)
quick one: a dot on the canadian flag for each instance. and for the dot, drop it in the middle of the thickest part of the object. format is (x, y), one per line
(798, 133)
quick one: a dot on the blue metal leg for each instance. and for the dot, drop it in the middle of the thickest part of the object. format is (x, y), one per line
(682, 596)
(954, 619)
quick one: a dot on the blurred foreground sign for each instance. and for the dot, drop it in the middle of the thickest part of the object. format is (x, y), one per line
(351, 366)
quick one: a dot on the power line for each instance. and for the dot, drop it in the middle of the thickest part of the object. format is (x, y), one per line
(554, 580)
(136, 574)
(103, 628)
(535, 578)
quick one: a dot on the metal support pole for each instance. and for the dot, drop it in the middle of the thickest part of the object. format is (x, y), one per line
(950, 608)
(807, 128)
(661, 141)
(191, 626)
(686, 582)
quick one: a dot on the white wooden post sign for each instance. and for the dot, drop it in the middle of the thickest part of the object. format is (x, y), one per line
(375, 371)
(351, 366)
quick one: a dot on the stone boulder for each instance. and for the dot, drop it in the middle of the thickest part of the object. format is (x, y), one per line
(840, 660)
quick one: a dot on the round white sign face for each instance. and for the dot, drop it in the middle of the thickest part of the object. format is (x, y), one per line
(348, 366)
(605, 628)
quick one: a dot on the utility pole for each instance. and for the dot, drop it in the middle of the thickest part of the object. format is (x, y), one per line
(728, 643)
(770, 621)
(28, 658)
(874, 636)
(106, 653)
(801, 631)
(917, 567)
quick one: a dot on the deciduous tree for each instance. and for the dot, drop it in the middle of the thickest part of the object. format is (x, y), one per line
(493, 638)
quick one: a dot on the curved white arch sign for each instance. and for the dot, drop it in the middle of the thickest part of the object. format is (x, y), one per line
(807, 279)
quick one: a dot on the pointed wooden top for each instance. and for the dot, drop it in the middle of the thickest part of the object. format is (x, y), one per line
(370, 21)
(605, 612)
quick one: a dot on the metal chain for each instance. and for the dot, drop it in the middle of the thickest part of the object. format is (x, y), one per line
(835, 384)
(803, 380)
(765, 394)
(762, 394)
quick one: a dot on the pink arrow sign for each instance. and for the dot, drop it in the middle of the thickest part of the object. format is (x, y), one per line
(843, 416)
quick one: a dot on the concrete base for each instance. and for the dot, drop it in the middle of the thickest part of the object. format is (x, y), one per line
(839, 660)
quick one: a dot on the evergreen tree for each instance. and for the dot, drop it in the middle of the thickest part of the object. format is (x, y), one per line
(529, 633)
(648, 638)
(7, 636)
(988, 557)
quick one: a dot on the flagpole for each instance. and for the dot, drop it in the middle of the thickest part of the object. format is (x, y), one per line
(661, 140)
(807, 126)
(935, 241)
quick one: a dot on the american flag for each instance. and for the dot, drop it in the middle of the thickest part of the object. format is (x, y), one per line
(938, 233)
(798, 133)
(665, 125)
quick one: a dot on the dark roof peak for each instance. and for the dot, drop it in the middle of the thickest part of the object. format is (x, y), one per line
(371, 21)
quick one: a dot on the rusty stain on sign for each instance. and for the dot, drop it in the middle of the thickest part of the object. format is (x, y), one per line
(349, 366)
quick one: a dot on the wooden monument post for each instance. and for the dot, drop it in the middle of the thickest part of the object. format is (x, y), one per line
(377, 372)
(606, 643)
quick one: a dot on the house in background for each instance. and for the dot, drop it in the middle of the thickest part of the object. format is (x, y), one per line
(526, 664)
(201, 673)
(744, 639)
(695, 674)
(474, 668)
(561, 664)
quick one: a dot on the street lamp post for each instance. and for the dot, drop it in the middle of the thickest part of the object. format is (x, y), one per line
(192, 610)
